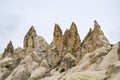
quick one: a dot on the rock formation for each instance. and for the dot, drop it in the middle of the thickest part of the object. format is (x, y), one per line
(29, 38)
(64, 48)
(94, 39)
(32, 40)
(71, 40)
(66, 58)
(8, 52)
(57, 37)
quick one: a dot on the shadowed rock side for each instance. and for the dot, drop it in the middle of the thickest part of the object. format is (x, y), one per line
(66, 58)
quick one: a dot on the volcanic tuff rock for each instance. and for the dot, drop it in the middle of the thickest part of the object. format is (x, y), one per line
(29, 38)
(66, 58)
(9, 50)
(94, 39)
(71, 40)
(57, 39)
(62, 45)
(32, 40)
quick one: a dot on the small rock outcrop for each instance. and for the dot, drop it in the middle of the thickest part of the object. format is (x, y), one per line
(9, 50)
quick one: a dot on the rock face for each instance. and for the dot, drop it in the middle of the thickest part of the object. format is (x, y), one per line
(58, 37)
(32, 40)
(66, 58)
(71, 40)
(29, 38)
(94, 39)
(9, 50)
(62, 46)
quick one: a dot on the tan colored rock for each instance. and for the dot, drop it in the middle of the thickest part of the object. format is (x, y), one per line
(67, 62)
(31, 40)
(31, 67)
(54, 57)
(113, 72)
(19, 73)
(94, 39)
(9, 50)
(66, 58)
(54, 77)
(86, 75)
(94, 59)
(71, 40)
(41, 43)
(38, 73)
(67, 40)
(57, 37)
(64, 45)
(110, 58)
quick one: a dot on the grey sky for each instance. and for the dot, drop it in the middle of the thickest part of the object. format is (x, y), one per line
(17, 16)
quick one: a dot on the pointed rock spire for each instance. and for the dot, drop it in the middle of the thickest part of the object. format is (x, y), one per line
(97, 28)
(96, 24)
(98, 33)
(88, 35)
(94, 39)
(32, 40)
(69, 43)
(31, 32)
(73, 29)
(57, 31)
(57, 37)
(9, 50)
(66, 39)
(28, 39)
(71, 39)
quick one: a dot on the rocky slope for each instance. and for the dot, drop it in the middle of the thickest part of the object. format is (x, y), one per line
(66, 58)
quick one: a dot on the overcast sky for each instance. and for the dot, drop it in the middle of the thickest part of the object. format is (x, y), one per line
(17, 16)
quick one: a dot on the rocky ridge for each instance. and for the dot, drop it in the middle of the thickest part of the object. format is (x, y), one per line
(66, 58)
